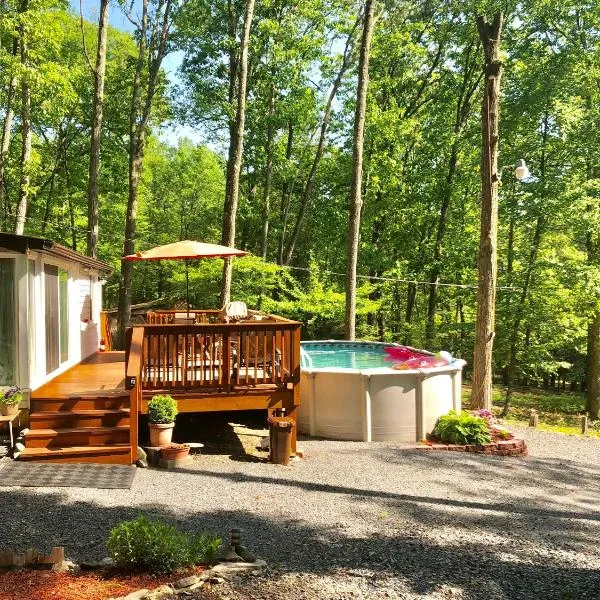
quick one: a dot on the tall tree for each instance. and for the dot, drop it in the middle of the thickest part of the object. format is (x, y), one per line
(98, 73)
(236, 146)
(7, 130)
(357, 168)
(26, 133)
(153, 45)
(490, 35)
(308, 189)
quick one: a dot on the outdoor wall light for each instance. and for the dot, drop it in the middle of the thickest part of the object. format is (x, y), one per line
(521, 170)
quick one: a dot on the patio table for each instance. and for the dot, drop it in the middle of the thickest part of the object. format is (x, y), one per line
(9, 419)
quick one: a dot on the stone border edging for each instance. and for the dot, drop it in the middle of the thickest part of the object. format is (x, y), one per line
(514, 447)
(213, 575)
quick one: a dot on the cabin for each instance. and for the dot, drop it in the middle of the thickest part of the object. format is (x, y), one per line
(50, 309)
(84, 404)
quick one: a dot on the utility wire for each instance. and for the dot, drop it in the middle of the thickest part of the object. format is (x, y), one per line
(400, 280)
(119, 239)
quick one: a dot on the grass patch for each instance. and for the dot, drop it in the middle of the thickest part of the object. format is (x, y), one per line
(559, 412)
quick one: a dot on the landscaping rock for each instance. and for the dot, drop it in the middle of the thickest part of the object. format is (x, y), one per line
(172, 465)
(226, 568)
(187, 582)
(164, 591)
(137, 595)
(66, 566)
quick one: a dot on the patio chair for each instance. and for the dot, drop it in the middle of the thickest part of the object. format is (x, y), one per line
(255, 352)
(234, 311)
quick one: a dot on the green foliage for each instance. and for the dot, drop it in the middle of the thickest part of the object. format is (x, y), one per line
(463, 428)
(159, 548)
(162, 409)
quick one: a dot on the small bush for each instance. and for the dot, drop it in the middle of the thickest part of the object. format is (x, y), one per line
(462, 428)
(157, 547)
(162, 409)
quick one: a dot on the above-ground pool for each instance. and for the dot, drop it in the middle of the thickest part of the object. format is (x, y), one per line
(349, 391)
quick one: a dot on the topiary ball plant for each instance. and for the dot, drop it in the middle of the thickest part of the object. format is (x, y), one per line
(162, 410)
(463, 428)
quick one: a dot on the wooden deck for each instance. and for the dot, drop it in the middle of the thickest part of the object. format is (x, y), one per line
(89, 413)
(83, 415)
(103, 373)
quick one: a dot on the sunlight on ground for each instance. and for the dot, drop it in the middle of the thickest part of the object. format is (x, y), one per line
(559, 412)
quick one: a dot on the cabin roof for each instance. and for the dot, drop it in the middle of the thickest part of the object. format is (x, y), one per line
(24, 243)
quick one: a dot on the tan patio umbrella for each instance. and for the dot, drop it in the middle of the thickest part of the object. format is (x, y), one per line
(186, 250)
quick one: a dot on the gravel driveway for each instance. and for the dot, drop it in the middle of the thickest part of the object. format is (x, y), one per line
(354, 520)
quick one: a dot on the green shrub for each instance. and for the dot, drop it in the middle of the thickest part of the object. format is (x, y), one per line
(162, 409)
(157, 547)
(462, 428)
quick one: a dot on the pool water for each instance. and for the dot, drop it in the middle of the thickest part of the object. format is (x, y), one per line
(344, 356)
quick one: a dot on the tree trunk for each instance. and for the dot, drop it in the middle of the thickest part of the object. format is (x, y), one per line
(25, 131)
(151, 53)
(96, 132)
(468, 87)
(286, 191)
(6, 133)
(357, 164)
(268, 173)
(437, 249)
(481, 396)
(310, 181)
(236, 146)
(136, 135)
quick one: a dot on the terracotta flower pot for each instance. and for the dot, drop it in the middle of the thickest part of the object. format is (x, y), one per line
(161, 433)
(175, 452)
(9, 409)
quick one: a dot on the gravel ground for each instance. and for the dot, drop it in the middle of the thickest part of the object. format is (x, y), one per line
(353, 520)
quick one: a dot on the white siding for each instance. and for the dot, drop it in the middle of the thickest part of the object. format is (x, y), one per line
(87, 313)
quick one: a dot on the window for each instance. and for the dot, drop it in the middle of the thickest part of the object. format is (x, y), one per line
(63, 297)
(57, 316)
(8, 320)
(31, 316)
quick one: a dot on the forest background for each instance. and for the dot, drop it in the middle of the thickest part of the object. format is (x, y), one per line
(419, 225)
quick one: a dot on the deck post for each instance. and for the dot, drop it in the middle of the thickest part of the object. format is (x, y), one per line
(133, 382)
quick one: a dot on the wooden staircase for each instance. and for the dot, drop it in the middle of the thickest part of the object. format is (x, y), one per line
(79, 429)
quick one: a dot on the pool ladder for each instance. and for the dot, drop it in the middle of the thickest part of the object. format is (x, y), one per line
(305, 359)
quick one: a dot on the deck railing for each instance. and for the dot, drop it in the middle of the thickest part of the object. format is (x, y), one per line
(261, 351)
(134, 364)
(170, 317)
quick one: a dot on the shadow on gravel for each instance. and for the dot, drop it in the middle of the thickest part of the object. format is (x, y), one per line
(482, 570)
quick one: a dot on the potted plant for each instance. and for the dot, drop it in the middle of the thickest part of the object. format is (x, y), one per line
(162, 411)
(175, 451)
(9, 401)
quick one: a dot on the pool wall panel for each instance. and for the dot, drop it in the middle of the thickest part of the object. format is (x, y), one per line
(377, 404)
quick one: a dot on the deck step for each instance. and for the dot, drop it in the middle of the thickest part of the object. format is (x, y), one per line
(113, 454)
(68, 419)
(77, 436)
(74, 403)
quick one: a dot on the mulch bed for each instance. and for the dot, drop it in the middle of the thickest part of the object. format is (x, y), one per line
(47, 585)
(512, 447)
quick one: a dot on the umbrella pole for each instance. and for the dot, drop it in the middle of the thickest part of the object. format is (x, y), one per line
(187, 287)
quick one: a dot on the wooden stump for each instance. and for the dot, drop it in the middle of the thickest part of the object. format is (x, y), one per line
(534, 418)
